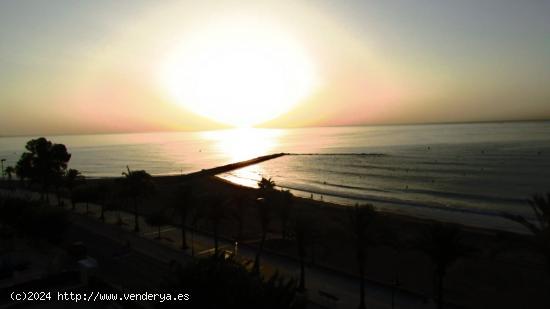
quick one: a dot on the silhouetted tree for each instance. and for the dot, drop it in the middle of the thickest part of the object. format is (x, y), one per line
(284, 209)
(157, 219)
(119, 199)
(42, 162)
(45, 223)
(24, 168)
(84, 194)
(72, 178)
(264, 215)
(103, 195)
(442, 243)
(541, 229)
(361, 219)
(266, 184)
(215, 213)
(238, 205)
(195, 217)
(57, 181)
(183, 205)
(10, 171)
(264, 204)
(220, 282)
(302, 234)
(138, 185)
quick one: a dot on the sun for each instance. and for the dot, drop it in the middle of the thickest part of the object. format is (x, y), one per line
(239, 72)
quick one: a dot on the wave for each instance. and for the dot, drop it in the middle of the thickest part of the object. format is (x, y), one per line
(356, 197)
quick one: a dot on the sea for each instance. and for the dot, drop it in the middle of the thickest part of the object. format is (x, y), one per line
(467, 173)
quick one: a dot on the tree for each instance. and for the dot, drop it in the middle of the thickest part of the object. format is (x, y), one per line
(442, 244)
(266, 184)
(195, 215)
(264, 216)
(541, 228)
(43, 162)
(220, 282)
(284, 209)
(102, 195)
(158, 219)
(183, 205)
(45, 223)
(238, 205)
(24, 169)
(302, 235)
(215, 213)
(72, 178)
(10, 171)
(84, 194)
(264, 204)
(138, 184)
(361, 219)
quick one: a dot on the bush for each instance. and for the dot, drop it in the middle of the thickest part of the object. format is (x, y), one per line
(219, 282)
(34, 220)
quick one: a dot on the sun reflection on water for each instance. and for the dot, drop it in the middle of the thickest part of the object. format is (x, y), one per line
(244, 143)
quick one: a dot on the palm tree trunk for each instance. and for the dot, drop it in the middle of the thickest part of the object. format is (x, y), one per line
(240, 231)
(72, 200)
(302, 286)
(58, 195)
(256, 268)
(183, 238)
(440, 291)
(216, 240)
(193, 242)
(302, 256)
(362, 287)
(136, 216)
(361, 264)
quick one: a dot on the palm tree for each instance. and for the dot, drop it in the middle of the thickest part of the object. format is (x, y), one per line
(302, 234)
(361, 218)
(10, 170)
(541, 229)
(442, 243)
(103, 196)
(157, 219)
(264, 216)
(85, 194)
(138, 184)
(284, 208)
(195, 215)
(2, 167)
(264, 203)
(238, 205)
(266, 184)
(72, 178)
(183, 206)
(215, 213)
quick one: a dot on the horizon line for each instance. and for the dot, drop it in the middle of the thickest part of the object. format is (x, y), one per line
(290, 127)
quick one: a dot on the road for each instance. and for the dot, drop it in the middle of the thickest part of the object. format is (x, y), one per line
(344, 288)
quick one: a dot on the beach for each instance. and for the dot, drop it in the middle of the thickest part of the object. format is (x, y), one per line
(499, 265)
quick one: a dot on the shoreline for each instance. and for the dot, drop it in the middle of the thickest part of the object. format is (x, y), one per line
(333, 248)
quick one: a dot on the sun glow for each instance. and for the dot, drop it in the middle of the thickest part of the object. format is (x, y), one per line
(240, 73)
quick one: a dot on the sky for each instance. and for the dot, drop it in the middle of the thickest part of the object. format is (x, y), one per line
(71, 67)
